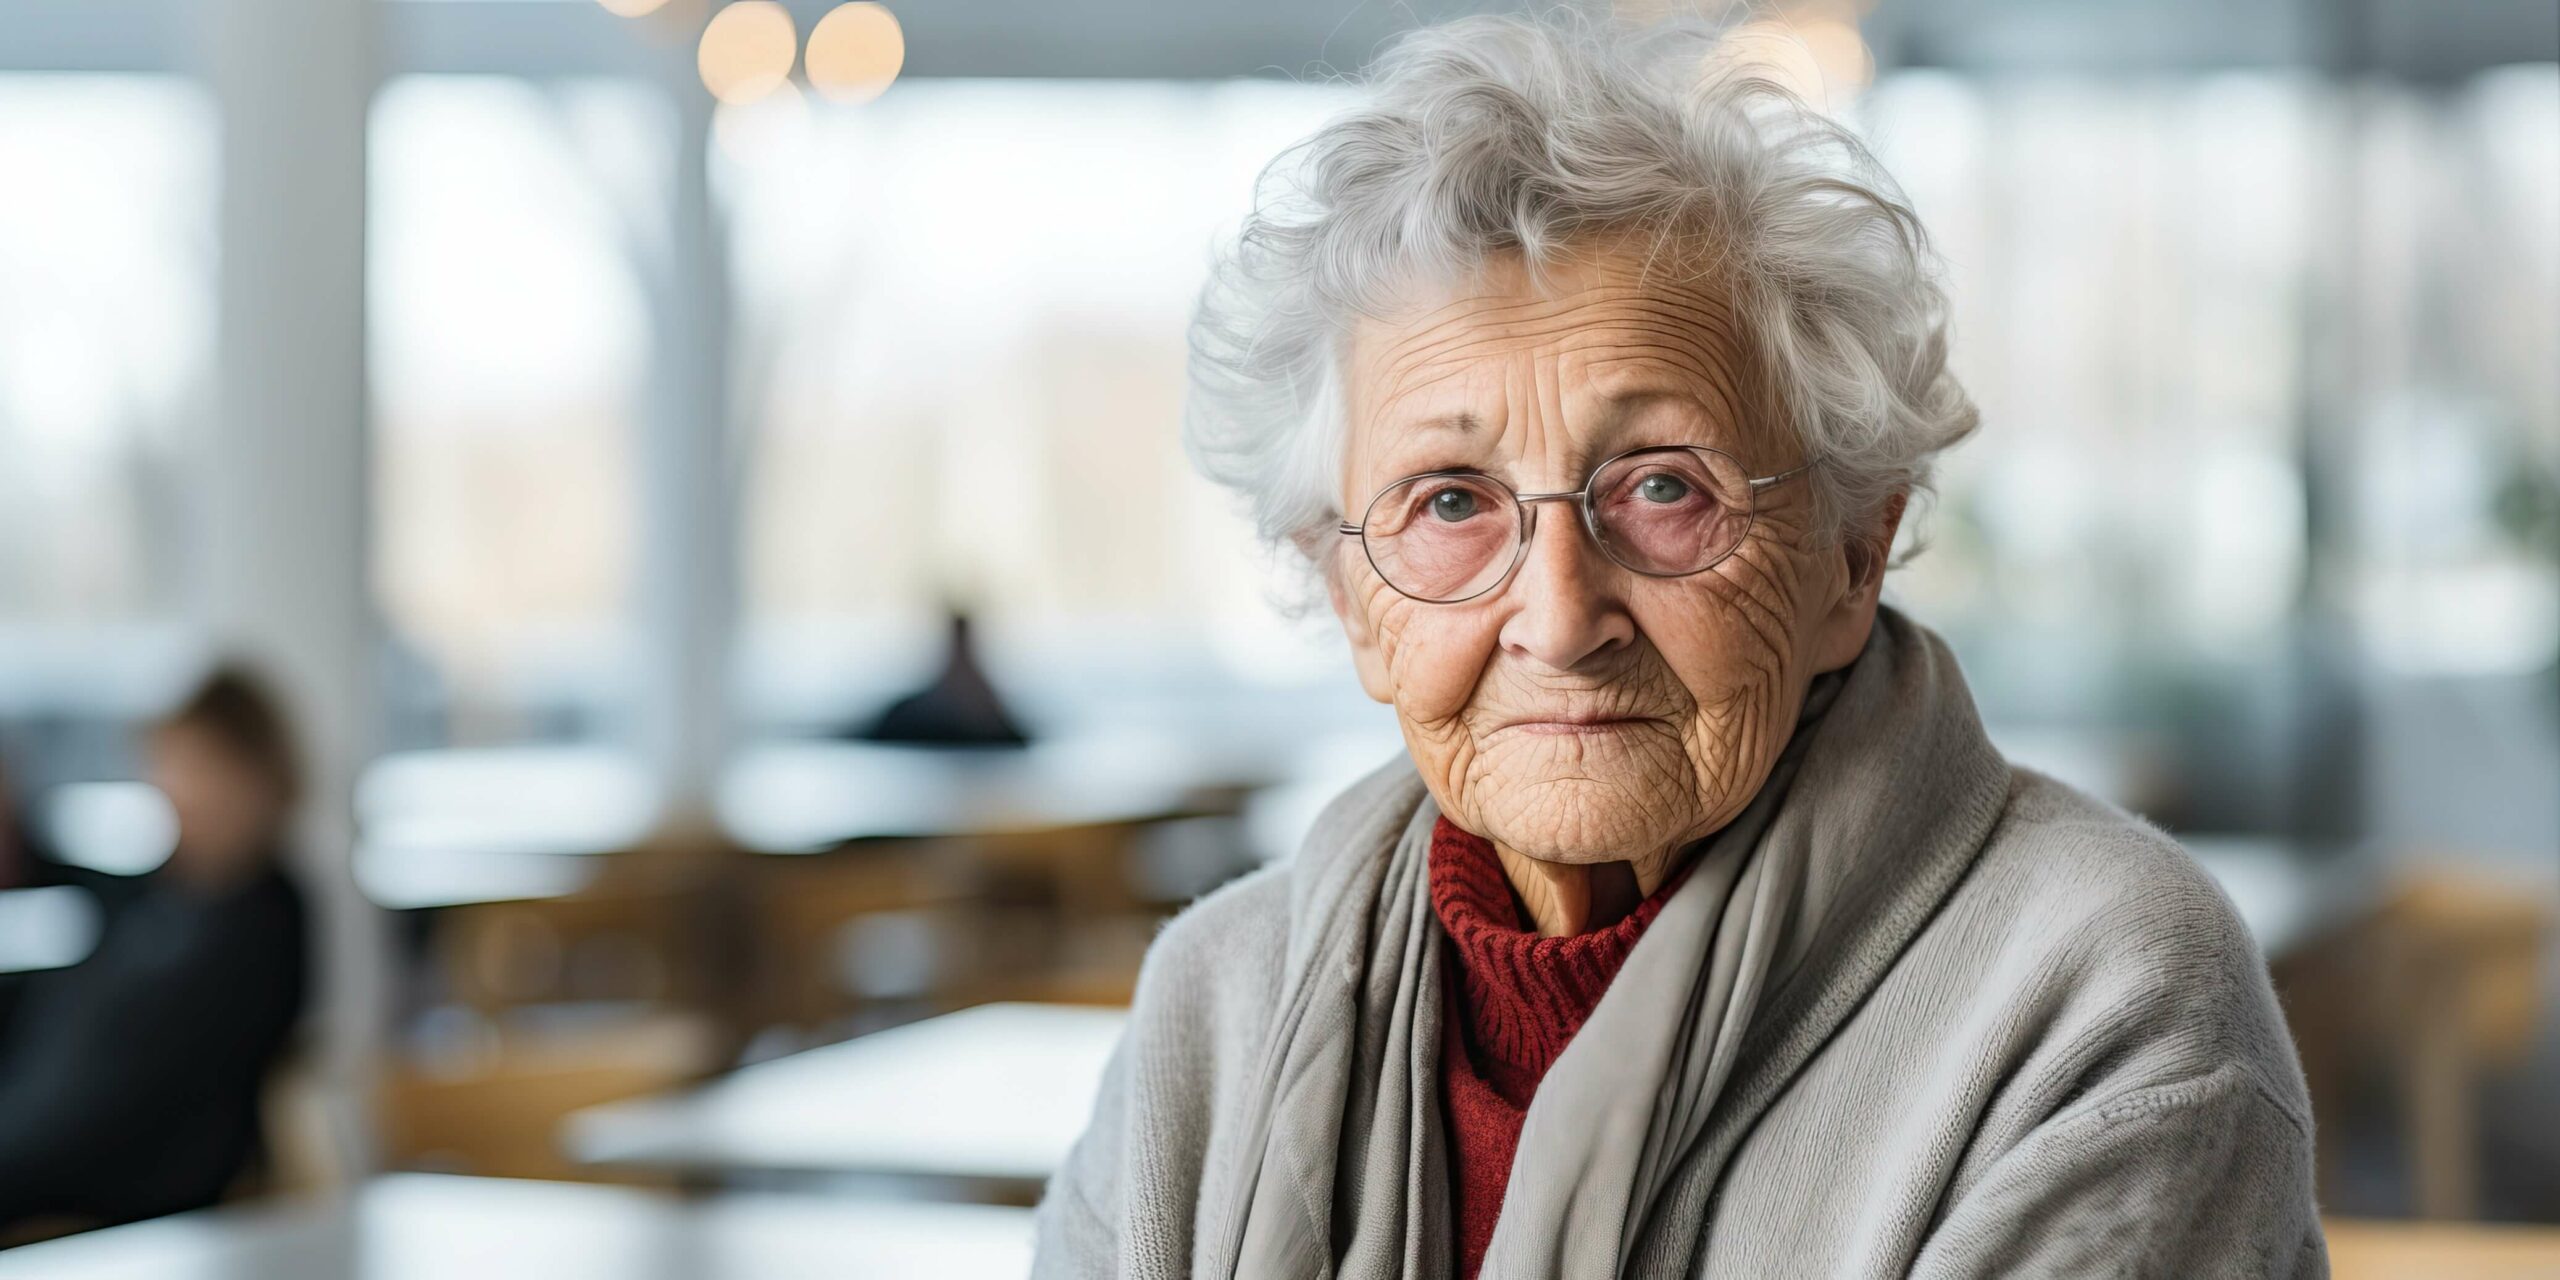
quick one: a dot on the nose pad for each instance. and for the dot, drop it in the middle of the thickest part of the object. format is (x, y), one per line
(1563, 610)
(1574, 527)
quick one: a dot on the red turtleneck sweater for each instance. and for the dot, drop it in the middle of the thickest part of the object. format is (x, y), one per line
(1514, 999)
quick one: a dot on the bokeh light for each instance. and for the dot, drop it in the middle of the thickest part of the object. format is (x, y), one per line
(747, 50)
(1818, 56)
(632, 8)
(855, 51)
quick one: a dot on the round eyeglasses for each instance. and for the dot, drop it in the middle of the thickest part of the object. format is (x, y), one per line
(1446, 537)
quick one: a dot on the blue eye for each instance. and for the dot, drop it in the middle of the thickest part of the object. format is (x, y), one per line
(1662, 488)
(1453, 505)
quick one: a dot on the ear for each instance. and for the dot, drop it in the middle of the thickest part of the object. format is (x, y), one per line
(1841, 633)
(1366, 657)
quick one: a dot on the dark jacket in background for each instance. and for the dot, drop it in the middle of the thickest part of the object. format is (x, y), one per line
(129, 1083)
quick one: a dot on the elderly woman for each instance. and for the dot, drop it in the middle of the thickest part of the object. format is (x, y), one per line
(1703, 931)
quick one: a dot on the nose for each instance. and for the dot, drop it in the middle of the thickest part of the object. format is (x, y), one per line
(1565, 606)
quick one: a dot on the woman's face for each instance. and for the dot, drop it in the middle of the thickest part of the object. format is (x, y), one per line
(228, 810)
(1580, 712)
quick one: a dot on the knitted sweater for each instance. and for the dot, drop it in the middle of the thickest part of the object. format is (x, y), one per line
(2048, 1049)
(1519, 998)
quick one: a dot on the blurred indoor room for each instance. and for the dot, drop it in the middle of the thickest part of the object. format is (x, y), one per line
(610, 656)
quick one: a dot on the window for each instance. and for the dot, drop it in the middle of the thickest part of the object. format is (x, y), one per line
(512, 228)
(2457, 508)
(2153, 281)
(2127, 263)
(106, 327)
(960, 353)
(2246, 344)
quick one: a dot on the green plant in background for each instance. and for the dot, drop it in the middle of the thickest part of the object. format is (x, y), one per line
(2524, 506)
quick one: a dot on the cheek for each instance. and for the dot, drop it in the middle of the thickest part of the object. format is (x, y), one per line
(1435, 655)
(1730, 638)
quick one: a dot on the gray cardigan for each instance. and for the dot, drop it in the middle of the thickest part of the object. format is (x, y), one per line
(2072, 1063)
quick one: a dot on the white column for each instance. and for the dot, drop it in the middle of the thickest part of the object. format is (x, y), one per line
(282, 566)
(689, 469)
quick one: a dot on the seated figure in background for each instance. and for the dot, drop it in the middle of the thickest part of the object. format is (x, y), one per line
(959, 708)
(18, 863)
(130, 1082)
(21, 867)
(28, 859)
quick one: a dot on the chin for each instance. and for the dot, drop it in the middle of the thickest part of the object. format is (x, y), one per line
(1579, 818)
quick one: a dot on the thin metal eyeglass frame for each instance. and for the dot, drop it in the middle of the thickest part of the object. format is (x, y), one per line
(1582, 500)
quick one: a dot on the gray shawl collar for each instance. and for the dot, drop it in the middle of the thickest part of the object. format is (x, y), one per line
(1877, 806)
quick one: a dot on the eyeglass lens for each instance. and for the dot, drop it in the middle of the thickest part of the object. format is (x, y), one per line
(1661, 512)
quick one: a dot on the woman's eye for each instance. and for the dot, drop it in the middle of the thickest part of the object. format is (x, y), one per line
(1453, 505)
(1662, 488)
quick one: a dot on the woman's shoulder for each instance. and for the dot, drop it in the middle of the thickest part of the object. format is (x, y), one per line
(1239, 929)
(1201, 1008)
(2122, 943)
(2072, 856)
(1216, 968)
(1221, 964)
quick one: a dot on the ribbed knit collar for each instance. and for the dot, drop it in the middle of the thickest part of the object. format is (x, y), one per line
(1521, 995)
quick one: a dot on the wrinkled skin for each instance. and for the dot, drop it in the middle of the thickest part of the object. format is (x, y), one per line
(1593, 723)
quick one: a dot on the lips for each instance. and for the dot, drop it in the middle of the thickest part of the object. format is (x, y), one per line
(1571, 724)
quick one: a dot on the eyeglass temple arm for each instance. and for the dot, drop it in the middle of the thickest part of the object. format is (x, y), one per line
(1789, 474)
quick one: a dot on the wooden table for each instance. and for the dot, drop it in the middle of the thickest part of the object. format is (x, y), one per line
(433, 1227)
(2373, 1250)
(807, 797)
(992, 1095)
(1033, 866)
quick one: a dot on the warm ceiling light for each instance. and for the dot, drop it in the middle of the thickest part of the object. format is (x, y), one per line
(746, 50)
(855, 51)
(632, 8)
(1847, 64)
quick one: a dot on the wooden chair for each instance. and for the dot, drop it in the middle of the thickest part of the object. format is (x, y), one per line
(498, 1112)
(617, 940)
(801, 907)
(2367, 1250)
(2434, 986)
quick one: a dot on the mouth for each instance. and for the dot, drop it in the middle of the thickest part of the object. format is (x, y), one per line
(1569, 724)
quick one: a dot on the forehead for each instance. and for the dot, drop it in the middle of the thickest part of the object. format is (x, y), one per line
(1600, 327)
(188, 739)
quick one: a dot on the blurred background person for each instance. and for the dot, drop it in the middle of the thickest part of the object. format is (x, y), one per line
(130, 1083)
(20, 868)
(959, 707)
(18, 857)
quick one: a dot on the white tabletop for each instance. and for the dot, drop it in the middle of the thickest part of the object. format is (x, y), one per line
(465, 826)
(47, 928)
(996, 1092)
(430, 1227)
(403, 879)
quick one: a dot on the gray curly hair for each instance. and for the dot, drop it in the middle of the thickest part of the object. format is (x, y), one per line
(1535, 137)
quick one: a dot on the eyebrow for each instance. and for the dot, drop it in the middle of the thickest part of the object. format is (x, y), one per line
(1463, 422)
(1722, 428)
